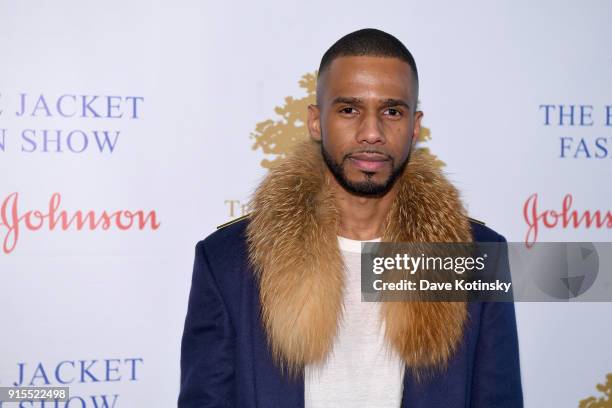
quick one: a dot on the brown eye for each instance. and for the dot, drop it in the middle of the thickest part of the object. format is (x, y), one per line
(348, 110)
(392, 112)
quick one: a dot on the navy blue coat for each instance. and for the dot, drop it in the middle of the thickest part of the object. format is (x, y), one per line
(226, 362)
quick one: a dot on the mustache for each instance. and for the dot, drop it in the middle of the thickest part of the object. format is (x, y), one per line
(368, 151)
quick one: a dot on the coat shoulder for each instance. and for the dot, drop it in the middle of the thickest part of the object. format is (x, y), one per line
(230, 236)
(482, 233)
(226, 255)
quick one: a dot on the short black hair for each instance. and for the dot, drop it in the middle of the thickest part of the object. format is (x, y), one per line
(368, 42)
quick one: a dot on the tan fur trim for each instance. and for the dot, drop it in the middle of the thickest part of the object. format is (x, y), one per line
(426, 209)
(293, 248)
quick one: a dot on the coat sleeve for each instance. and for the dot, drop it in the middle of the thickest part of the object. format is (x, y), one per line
(207, 347)
(497, 374)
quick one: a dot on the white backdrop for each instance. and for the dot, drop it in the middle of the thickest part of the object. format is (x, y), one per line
(179, 88)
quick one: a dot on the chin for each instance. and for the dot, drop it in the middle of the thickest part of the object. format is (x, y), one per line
(376, 178)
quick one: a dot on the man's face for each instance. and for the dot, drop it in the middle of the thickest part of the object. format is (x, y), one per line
(366, 121)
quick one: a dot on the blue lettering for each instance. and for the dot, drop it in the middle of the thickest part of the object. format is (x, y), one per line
(22, 99)
(582, 147)
(111, 106)
(25, 137)
(135, 100)
(608, 115)
(87, 106)
(76, 141)
(569, 115)
(40, 373)
(84, 142)
(40, 104)
(57, 373)
(133, 361)
(57, 140)
(113, 369)
(61, 110)
(585, 113)
(85, 370)
(106, 141)
(21, 376)
(547, 109)
(2, 147)
(601, 145)
(564, 146)
(84, 106)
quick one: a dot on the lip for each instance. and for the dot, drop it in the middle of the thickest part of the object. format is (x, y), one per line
(368, 161)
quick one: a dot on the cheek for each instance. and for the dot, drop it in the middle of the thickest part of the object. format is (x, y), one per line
(399, 128)
(399, 137)
(340, 128)
(338, 136)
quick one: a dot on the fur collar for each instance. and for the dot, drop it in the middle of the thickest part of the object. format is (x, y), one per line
(293, 248)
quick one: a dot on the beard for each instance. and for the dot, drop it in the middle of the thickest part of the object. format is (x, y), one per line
(367, 187)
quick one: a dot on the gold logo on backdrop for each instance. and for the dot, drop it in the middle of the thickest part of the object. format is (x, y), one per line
(276, 137)
(602, 402)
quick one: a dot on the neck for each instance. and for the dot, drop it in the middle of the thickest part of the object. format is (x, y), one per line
(361, 218)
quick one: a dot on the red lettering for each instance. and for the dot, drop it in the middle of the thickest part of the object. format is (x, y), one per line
(34, 220)
(567, 217)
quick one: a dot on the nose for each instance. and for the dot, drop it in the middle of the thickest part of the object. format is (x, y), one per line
(370, 130)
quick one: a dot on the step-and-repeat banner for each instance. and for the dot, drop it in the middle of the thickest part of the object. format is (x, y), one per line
(130, 130)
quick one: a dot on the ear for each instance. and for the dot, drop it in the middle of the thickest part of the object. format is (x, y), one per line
(416, 130)
(314, 122)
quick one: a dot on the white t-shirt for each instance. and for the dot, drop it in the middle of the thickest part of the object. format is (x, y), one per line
(361, 370)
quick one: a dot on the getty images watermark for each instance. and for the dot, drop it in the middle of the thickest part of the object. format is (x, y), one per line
(487, 271)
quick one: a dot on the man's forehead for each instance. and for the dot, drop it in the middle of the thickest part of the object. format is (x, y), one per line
(363, 75)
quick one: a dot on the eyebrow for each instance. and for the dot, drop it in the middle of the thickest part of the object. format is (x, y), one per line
(385, 103)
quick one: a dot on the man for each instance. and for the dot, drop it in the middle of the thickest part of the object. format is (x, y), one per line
(275, 317)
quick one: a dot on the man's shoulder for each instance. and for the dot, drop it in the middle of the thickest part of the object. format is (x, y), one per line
(228, 238)
(482, 233)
